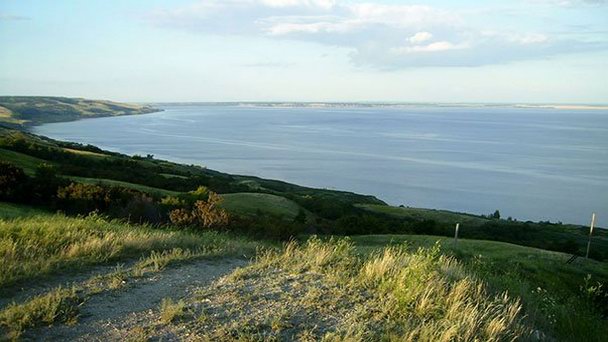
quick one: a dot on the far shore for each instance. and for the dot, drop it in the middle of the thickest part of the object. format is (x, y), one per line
(565, 107)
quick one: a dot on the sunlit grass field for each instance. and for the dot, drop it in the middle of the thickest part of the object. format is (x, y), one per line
(552, 291)
(36, 245)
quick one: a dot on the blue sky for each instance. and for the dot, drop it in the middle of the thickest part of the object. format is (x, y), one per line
(524, 51)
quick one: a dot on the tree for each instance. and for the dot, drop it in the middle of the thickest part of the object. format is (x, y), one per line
(12, 181)
(46, 182)
(496, 215)
(300, 217)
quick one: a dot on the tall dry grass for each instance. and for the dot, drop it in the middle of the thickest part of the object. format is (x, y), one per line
(420, 296)
(35, 246)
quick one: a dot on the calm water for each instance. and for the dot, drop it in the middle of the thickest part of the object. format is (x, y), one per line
(538, 164)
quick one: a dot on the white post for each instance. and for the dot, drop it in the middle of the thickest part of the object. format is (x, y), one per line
(456, 233)
(590, 233)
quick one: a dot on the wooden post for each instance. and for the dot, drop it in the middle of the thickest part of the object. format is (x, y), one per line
(590, 233)
(456, 233)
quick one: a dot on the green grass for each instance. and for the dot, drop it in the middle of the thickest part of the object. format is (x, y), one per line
(57, 305)
(33, 247)
(552, 291)
(250, 203)
(139, 187)
(87, 153)
(12, 210)
(171, 310)
(169, 175)
(27, 163)
(552, 236)
(425, 214)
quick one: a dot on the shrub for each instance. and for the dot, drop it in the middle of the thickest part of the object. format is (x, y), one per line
(83, 198)
(205, 213)
(208, 214)
(142, 208)
(181, 217)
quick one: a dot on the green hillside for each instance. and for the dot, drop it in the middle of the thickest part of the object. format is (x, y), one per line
(12, 210)
(551, 290)
(553, 236)
(252, 203)
(22, 111)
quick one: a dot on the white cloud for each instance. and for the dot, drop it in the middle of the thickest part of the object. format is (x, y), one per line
(402, 16)
(569, 3)
(532, 38)
(520, 38)
(432, 47)
(326, 4)
(420, 37)
(378, 35)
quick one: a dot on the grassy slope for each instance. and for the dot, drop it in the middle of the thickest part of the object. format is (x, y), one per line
(34, 244)
(443, 216)
(250, 203)
(551, 266)
(471, 223)
(550, 289)
(27, 163)
(19, 111)
(111, 182)
(12, 210)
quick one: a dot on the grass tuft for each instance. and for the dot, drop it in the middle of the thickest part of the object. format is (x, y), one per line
(171, 310)
(59, 305)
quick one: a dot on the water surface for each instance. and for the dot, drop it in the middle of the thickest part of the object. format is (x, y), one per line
(530, 163)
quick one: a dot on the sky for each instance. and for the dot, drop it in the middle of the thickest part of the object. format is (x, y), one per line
(515, 51)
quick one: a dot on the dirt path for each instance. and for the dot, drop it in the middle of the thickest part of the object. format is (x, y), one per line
(110, 316)
(41, 286)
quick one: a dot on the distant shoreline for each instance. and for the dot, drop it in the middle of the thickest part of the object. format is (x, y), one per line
(565, 107)
(24, 112)
(296, 104)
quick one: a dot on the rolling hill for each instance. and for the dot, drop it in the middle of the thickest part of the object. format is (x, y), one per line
(24, 111)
